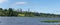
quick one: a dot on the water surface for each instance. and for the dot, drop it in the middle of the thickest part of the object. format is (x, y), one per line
(26, 21)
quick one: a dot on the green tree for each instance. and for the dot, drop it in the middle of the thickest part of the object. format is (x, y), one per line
(12, 12)
(1, 9)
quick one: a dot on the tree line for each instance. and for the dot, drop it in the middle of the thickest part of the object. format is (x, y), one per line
(11, 12)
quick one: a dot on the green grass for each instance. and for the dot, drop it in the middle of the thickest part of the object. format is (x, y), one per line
(51, 21)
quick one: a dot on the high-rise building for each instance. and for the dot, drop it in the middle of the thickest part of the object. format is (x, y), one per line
(19, 10)
(28, 10)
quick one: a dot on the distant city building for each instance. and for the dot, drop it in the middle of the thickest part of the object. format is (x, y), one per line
(28, 10)
(19, 10)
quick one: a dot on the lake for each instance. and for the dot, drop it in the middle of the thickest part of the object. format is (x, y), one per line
(26, 21)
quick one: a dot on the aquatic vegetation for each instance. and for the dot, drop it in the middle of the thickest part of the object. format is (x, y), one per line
(51, 21)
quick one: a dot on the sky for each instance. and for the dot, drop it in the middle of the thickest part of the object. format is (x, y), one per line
(41, 6)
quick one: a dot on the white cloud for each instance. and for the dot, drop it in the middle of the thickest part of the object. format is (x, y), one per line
(18, 3)
(2, 1)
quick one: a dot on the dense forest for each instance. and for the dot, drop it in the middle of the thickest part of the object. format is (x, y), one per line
(11, 12)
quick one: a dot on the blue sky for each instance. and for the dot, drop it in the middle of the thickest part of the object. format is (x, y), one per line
(42, 6)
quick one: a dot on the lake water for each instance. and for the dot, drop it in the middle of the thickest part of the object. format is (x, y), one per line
(26, 21)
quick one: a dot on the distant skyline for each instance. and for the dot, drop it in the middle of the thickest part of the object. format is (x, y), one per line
(42, 6)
